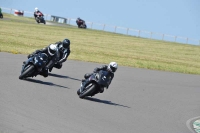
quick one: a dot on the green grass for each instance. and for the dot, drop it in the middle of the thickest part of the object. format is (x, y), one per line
(23, 35)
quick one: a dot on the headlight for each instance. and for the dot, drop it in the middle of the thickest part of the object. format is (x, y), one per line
(35, 60)
(97, 76)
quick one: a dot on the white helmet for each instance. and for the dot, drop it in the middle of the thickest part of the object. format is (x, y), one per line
(52, 49)
(112, 67)
(36, 9)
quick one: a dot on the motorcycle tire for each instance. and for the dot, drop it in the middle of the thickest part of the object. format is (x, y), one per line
(88, 92)
(28, 70)
(78, 92)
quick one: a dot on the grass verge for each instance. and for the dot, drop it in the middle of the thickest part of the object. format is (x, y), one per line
(20, 35)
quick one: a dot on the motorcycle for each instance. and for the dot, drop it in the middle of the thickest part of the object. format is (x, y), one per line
(1, 15)
(81, 24)
(97, 80)
(34, 65)
(40, 18)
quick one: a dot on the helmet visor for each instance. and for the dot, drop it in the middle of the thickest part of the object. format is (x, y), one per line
(52, 52)
(113, 69)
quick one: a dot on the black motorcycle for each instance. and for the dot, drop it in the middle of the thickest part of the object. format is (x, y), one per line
(1, 15)
(40, 18)
(34, 65)
(97, 80)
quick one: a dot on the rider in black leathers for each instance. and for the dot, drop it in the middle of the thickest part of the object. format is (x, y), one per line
(64, 52)
(111, 68)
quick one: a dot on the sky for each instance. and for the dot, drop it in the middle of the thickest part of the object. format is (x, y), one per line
(172, 17)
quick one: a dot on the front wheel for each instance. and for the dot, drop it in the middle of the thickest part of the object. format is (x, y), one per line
(78, 92)
(37, 20)
(88, 91)
(26, 72)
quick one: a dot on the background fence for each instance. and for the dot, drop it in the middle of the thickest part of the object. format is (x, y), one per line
(118, 29)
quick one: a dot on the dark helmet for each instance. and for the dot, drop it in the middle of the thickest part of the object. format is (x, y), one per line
(66, 43)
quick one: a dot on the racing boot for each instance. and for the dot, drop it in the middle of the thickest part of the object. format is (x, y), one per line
(50, 69)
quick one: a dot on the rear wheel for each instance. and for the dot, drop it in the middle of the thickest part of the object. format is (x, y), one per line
(29, 70)
(88, 91)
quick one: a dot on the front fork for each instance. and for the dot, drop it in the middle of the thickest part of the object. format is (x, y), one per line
(83, 84)
(26, 63)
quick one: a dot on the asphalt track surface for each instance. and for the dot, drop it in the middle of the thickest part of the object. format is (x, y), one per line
(137, 101)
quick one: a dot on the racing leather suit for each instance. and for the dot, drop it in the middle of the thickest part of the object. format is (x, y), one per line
(63, 55)
(35, 13)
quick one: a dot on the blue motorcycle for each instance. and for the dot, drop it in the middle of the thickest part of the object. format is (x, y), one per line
(34, 65)
(97, 80)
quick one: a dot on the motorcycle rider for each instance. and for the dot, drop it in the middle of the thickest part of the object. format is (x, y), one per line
(64, 52)
(111, 68)
(79, 21)
(1, 15)
(36, 12)
(52, 53)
